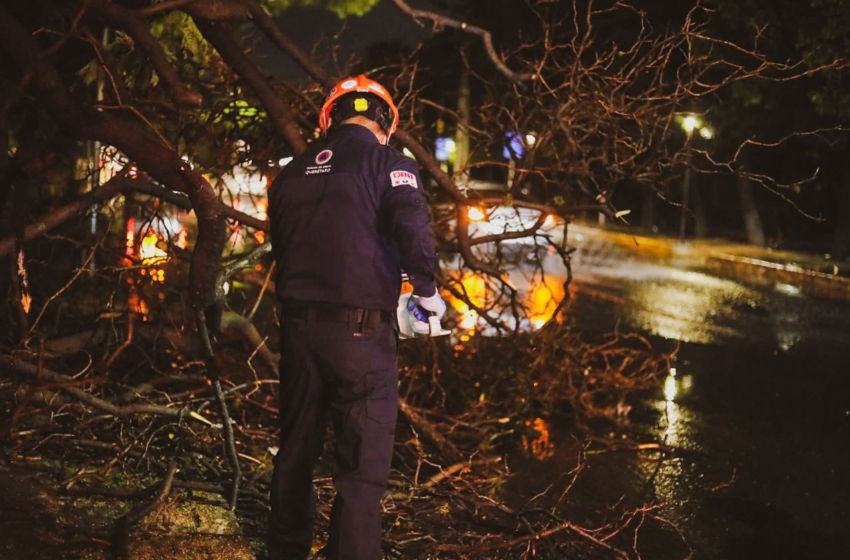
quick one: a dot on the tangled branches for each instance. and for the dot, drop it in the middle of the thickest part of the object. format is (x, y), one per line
(468, 408)
(177, 110)
(131, 396)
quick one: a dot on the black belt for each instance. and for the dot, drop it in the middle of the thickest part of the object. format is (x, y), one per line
(367, 319)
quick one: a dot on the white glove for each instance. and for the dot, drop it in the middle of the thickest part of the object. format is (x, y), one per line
(433, 305)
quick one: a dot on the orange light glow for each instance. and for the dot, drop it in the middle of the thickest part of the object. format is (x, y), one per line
(152, 256)
(540, 447)
(476, 289)
(262, 208)
(469, 319)
(149, 252)
(26, 300)
(476, 214)
(130, 243)
(138, 305)
(543, 300)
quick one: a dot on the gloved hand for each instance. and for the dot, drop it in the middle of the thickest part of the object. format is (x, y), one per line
(432, 306)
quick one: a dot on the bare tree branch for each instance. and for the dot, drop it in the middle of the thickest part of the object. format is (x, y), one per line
(486, 37)
(163, 164)
(423, 156)
(107, 191)
(272, 30)
(165, 6)
(67, 385)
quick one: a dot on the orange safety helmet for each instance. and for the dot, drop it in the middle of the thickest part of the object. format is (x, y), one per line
(357, 84)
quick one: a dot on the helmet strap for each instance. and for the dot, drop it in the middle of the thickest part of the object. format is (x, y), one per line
(382, 120)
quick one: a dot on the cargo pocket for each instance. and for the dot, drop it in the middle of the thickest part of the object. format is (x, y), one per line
(377, 454)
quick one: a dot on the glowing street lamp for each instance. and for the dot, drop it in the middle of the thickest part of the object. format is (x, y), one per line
(690, 123)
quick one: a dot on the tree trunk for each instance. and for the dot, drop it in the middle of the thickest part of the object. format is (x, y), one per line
(841, 241)
(5, 180)
(752, 220)
(647, 214)
(462, 132)
(700, 212)
(685, 209)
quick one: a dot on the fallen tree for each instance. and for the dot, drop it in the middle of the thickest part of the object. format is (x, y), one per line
(169, 101)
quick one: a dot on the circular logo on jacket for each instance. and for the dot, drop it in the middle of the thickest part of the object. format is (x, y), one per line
(324, 156)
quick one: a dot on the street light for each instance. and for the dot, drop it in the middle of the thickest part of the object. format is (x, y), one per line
(690, 123)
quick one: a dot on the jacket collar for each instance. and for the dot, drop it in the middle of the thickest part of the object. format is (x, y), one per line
(351, 130)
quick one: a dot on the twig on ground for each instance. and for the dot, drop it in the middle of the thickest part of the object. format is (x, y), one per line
(456, 468)
(63, 381)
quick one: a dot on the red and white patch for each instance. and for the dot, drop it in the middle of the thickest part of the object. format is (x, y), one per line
(324, 156)
(403, 178)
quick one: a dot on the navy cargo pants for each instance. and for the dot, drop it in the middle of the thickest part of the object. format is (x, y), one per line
(341, 369)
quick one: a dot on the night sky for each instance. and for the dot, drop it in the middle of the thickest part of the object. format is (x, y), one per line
(383, 24)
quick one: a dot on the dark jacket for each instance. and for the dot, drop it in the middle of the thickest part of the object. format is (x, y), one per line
(346, 217)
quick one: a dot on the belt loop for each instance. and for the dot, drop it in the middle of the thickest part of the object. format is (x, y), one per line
(354, 316)
(364, 321)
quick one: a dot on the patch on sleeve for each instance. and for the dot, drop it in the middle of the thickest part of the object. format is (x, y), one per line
(403, 178)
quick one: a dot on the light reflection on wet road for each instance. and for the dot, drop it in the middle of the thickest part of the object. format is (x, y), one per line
(758, 413)
(692, 306)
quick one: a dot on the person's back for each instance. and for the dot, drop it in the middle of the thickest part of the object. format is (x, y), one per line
(334, 211)
(346, 217)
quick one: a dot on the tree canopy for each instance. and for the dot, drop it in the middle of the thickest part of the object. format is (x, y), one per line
(567, 111)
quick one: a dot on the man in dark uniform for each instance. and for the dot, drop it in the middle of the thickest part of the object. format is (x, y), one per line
(347, 217)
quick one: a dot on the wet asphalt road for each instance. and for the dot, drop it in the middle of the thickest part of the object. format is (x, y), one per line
(758, 413)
